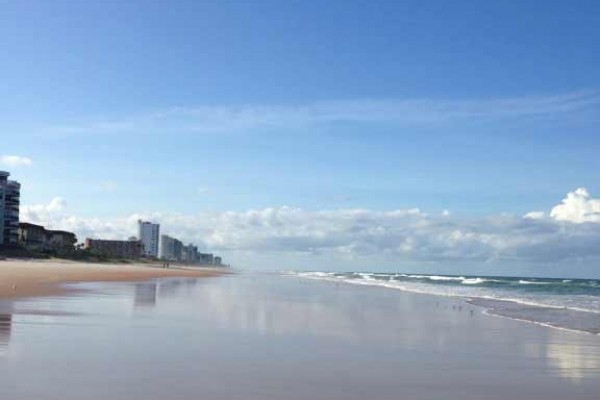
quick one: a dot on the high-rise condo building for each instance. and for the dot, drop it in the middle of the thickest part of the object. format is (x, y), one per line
(148, 234)
(170, 248)
(10, 198)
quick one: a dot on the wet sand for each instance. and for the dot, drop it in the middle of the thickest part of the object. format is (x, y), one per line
(262, 337)
(22, 278)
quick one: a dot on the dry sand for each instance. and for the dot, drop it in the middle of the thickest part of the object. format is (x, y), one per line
(23, 278)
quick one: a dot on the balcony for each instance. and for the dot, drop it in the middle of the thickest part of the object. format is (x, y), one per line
(12, 214)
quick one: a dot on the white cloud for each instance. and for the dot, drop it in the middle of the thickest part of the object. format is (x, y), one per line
(15, 161)
(43, 213)
(108, 186)
(577, 207)
(55, 215)
(202, 190)
(535, 215)
(348, 235)
(224, 118)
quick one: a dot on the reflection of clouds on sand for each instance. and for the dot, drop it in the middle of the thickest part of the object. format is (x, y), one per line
(251, 309)
(233, 308)
(339, 313)
(570, 358)
(574, 361)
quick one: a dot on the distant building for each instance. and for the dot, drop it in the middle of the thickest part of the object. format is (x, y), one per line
(115, 248)
(190, 254)
(61, 240)
(205, 259)
(148, 234)
(37, 238)
(10, 199)
(170, 248)
(33, 237)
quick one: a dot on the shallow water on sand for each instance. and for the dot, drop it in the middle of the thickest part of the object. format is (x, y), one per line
(272, 337)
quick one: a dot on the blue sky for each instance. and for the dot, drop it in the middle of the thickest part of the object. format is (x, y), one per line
(479, 108)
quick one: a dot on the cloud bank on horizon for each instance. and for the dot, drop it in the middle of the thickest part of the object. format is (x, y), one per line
(569, 233)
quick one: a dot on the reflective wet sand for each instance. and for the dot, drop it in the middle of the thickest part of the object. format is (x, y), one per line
(272, 337)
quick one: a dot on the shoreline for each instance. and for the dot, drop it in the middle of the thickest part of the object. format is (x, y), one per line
(33, 278)
(549, 316)
(313, 340)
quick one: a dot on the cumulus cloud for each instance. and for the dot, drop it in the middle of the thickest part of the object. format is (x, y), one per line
(351, 234)
(578, 206)
(55, 215)
(42, 213)
(15, 161)
(535, 215)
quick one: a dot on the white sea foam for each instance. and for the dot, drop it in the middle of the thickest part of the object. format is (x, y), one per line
(524, 282)
(446, 278)
(474, 288)
(544, 324)
(466, 287)
(474, 281)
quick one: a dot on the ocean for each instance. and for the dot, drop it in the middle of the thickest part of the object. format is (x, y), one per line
(572, 304)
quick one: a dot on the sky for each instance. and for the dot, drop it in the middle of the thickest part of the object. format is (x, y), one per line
(434, 136)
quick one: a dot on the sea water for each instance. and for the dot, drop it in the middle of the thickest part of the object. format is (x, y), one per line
(561, 303)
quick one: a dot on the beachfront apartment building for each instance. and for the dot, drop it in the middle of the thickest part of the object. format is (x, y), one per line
(190, 254)
(61, 240)
(10, 199)
(205, 258)
(115, 248)
(148, 234)
(37, 238)
(33, 237)
(170, 248)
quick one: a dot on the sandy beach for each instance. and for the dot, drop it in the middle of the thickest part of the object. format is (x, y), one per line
(257, 337)
(24, 278)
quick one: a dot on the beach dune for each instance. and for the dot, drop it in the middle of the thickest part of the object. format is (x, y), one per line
(20, 278)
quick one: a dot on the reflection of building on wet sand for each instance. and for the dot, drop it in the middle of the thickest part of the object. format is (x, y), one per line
(174, 287)
(5, 327)
(145, 294)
